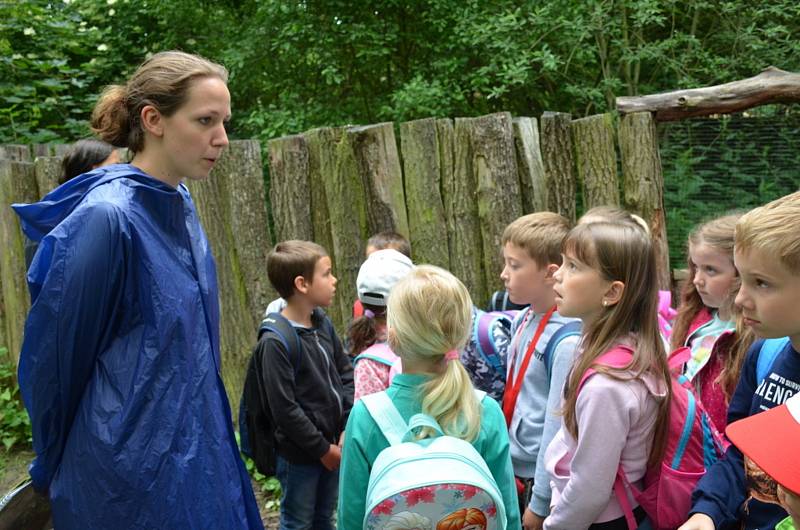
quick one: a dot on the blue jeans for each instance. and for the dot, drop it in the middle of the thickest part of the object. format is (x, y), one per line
(308, 495)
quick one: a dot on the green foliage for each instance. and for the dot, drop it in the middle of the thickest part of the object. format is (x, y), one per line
(15, 426)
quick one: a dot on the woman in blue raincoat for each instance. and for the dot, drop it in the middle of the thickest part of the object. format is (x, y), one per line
(120, 365)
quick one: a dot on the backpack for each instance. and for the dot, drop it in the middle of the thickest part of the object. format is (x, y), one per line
(693, 445)
(500, 301)
(256, 426)
(483, 338)
(419, 483)
(380, 352)
(770, 349)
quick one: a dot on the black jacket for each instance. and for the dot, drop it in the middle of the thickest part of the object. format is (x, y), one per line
(310, 400)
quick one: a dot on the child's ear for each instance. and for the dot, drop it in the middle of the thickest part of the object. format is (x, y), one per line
(614, 293)
(551, 270)
(301, 284)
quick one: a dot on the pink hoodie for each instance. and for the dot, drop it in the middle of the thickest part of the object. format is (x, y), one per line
(616, 420)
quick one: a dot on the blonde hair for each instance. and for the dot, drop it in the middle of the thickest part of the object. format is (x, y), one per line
(541, 234)
(772, 228)
(429, 314)
(162, 81)
(719, 235)
(620, 252)
(462, 518)
(408, 521)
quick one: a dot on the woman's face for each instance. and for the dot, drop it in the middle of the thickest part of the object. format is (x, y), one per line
(194, 136)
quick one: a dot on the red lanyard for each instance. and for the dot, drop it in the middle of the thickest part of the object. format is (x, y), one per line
(514, 386)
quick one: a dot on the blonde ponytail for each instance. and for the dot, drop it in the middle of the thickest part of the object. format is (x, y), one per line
(430, 313)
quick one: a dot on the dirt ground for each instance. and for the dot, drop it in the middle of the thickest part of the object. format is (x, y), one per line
(14, 470)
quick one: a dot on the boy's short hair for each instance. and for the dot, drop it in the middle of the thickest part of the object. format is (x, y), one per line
(772, 228)
(392, 240)
(541, 234)
(290, 259)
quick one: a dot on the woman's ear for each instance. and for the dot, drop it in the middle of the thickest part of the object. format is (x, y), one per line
(614, 293)
(152, 120)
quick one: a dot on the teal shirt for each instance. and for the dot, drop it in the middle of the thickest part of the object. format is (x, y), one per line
(364, 441)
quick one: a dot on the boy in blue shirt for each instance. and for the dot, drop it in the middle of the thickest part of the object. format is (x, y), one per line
(767, 256)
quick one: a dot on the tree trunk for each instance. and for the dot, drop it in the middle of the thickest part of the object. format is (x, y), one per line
(17, 185)
(375, 150)
(289, 193)
(559, 166)
(48, 171)
(423, 167)
(596, 160)
(42, 150)
(461, 209)
(530, 164)
(17, 153)
(643, 183)
(499, 197)
(770, 86)
(321, 161)
(231, 205)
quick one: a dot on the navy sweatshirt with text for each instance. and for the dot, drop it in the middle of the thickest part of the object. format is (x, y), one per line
(722, 492)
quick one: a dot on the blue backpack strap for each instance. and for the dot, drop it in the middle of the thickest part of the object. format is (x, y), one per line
(570, 329)
(283, 329)
(484, 338)
(770, 349)
(386, 416)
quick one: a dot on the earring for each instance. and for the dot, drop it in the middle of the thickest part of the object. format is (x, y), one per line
(605, 303)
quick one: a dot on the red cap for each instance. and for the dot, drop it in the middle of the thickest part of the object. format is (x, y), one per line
(770, 439)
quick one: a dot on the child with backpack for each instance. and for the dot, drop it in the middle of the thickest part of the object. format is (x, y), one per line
(306, 381)
(375, 363)
(707, 317)
(467, 468)
(540, 355)
(615, 412)
(767, 256)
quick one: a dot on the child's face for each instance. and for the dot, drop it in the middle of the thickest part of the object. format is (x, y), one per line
(323, 285)
(714, 274)
(525, 280)
(580, 290)
(768, 296)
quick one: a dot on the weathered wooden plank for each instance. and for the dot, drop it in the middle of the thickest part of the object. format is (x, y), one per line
(559, 165)
(290, 191)
(48, 171)
(596, 160)
(530, 165)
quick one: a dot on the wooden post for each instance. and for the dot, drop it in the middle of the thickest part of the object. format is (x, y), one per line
(596, 160)
(346, 197)
(290, 195)
(15, 152)
(375, 151)
(321, 161)
(60, 150)
(48, 171)
(41, 150)
(643, 183)
(559, 166)
(423, 167)
(17, 185)
(530, 164)
(232, 208)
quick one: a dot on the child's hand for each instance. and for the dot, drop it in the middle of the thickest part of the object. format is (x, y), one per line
(332, 458)
(531, 521)
(698, 521)
(791, 503)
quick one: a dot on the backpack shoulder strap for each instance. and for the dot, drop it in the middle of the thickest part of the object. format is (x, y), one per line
(386, 415)
(770, 349)
(570, 329)
(378, 352)
(484, 338)
(615, 358)
(283, 329)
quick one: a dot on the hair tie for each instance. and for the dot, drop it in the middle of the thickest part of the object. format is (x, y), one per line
(368, 313)
(452, 355)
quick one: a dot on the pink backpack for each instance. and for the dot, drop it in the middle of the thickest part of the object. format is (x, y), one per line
(381, 353)
(693, 444)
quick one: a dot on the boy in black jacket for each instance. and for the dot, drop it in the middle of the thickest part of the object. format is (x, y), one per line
(309, 397)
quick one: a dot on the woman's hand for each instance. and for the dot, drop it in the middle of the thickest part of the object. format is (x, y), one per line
(698, 521)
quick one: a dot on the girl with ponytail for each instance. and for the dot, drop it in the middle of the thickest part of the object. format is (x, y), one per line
(429, 317)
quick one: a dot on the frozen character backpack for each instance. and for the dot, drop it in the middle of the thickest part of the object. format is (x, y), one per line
(693, 445)
(432, 482)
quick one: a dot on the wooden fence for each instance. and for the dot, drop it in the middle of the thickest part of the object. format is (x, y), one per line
(232, 207)
(452, 186)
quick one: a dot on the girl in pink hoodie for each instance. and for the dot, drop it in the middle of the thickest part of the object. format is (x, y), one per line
(617, 418)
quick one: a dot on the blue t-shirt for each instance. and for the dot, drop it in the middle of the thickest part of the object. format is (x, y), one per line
(722, 492)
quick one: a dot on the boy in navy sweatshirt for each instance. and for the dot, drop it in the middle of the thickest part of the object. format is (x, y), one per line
(767, 256)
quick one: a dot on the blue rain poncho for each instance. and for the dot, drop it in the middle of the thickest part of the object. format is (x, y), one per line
(120, 365)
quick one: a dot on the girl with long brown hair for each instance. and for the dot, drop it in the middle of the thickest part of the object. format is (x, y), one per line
(617, 418)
